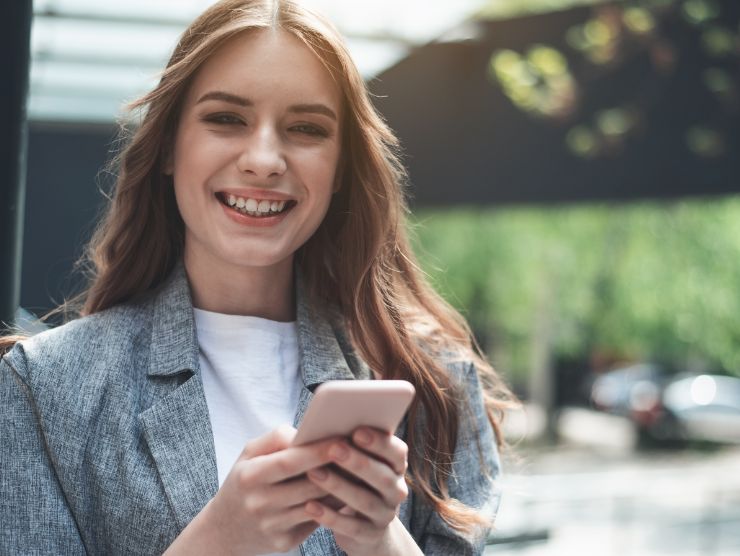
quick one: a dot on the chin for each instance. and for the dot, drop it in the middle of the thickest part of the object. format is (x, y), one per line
(249, 260)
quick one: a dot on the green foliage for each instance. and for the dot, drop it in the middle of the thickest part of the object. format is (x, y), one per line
(642, 281)
(497, 9)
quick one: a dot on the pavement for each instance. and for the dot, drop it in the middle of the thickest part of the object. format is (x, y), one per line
(590, 496)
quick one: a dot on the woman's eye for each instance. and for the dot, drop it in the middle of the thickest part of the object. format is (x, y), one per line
(312, 130)
(223, 119)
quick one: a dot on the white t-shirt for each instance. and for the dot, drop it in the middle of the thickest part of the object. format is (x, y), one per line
(251, 378)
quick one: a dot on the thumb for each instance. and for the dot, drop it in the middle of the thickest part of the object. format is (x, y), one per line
(274, 441)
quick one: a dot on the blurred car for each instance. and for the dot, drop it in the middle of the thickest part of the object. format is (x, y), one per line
(635, 392)
(706, 407)
(664, 409)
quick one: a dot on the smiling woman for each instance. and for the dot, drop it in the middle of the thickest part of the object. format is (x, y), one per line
(254, 248)
(259, 126)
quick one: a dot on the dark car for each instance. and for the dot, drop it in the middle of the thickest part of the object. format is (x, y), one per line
(635, 392)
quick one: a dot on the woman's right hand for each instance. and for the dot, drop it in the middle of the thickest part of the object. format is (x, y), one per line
(261, 505)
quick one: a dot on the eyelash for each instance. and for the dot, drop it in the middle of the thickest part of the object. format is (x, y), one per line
(311, 130)
(229, 119)
(223, 119)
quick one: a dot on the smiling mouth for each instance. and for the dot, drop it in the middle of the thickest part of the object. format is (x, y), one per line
(259, 208)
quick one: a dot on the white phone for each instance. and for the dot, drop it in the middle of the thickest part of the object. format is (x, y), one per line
(340, 406)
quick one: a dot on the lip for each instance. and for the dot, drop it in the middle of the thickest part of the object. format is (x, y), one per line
(256, 194)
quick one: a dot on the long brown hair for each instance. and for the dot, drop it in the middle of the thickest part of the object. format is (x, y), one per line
(359, 259)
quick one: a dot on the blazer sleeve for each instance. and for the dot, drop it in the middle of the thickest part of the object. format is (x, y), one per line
(34, 513)
(476, 467)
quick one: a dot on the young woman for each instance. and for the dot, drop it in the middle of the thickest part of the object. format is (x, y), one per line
(254, 248)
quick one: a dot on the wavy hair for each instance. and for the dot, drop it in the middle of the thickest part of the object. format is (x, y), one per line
(359, 259)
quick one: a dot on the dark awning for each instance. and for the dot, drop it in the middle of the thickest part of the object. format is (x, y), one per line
(606, 102)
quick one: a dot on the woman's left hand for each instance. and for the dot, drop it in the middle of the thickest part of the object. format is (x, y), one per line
(368, 522)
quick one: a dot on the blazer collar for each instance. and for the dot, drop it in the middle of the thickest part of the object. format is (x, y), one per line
(174, 346)
(322, 356)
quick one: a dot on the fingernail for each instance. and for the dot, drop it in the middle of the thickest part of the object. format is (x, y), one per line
(318, 474)
(312, 508)
(363, 437)
(338, 452)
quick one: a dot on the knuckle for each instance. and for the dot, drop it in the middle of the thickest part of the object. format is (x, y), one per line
(402, 489)
(250, 506)
(399, 495)
(245, 477)
(389, 482)
(259, 503)
(264, 529)
(404, 449)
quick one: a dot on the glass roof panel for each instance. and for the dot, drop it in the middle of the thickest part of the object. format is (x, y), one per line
(90, 57)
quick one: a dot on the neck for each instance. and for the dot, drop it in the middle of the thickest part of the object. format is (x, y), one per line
(265, 292)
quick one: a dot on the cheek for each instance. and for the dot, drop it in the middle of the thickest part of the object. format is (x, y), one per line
(320, 169)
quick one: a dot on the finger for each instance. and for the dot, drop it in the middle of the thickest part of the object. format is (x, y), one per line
(384, 446)
(358, 498)
(274, 441)
(355, 527)
(332, 501)
(288, 519)
(285, 464)
(390, 485)
(346, 510)
(294, 492)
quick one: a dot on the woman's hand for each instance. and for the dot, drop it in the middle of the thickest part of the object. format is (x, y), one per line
(261, 505)
(368, 523)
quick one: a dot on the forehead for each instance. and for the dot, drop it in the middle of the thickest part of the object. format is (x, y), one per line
(265, 65)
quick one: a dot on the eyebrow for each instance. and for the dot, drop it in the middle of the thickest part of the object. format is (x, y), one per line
(223, 96)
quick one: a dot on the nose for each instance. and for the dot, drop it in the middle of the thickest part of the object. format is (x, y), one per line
(262, 154)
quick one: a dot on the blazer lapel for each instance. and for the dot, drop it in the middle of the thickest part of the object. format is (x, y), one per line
(176, 426)
(326, 353)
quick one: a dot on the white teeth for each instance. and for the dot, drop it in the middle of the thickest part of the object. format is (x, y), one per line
(253, 207)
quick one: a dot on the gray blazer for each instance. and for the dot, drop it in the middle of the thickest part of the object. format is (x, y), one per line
(106, 444)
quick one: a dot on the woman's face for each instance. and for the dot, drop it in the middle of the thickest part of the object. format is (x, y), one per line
(256, 152)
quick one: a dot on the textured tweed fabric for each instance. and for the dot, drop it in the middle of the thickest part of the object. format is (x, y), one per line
(106, 445)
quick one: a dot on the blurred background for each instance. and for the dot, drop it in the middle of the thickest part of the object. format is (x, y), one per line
(574, 174)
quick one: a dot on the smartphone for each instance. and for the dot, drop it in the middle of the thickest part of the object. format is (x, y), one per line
(339, 407)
